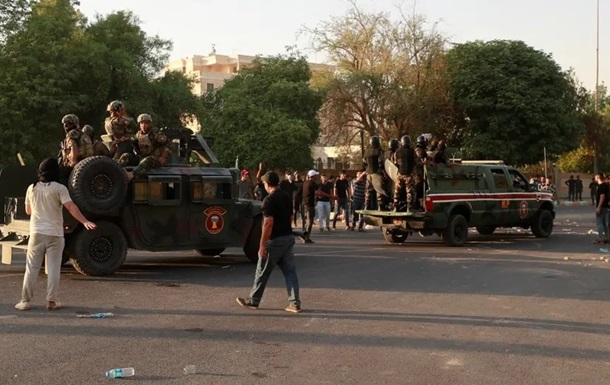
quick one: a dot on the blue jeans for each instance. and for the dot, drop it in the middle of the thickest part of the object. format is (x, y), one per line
(356, 205)
(279, 252)
(601, 220)
(324, 215)
(342, 206)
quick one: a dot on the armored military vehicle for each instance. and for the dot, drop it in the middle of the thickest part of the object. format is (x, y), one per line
(479, 194)
(176, 207)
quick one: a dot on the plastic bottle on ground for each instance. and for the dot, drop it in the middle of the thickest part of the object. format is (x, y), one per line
(121, 373)
(190, 369)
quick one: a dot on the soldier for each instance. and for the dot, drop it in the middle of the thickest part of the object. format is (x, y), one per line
(421, 159)
(405, 161)
(99, 148)
(118, 127)
(152, 145)
(76, 146)
(374, 165)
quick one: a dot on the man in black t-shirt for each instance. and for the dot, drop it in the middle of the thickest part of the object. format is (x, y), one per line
(309, 201)
(276, 246)
(601, 209)
(324, 195)
(344, 195)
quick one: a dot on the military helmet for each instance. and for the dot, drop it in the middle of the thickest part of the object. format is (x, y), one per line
(422, 142)
(405, 140)
(70, 118)
(87, 129)
(393, 144)
(375, 141)
(144, 118)
(115, 105)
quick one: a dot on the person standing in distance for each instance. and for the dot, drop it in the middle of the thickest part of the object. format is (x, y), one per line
(43, 202)
(276, 246)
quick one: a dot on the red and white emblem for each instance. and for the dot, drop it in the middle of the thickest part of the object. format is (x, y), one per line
(214, 221)
(523, 209)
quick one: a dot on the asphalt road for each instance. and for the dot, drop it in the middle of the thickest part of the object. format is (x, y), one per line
(505, 309)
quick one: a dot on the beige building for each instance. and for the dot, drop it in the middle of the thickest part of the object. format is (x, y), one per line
(210, 72)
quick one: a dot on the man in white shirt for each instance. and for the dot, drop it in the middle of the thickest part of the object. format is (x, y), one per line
(43, 202)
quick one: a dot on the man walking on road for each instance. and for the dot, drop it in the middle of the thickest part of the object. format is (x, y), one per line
(344, 194)
(276, 246)
(44, 201)
(601, 209)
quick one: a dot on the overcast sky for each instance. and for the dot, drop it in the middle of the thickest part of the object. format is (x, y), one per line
(564, 28)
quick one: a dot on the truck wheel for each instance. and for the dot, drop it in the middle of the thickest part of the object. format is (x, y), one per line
(209, 252)
(394, 235)
(101, 251)
(456, 232)
(254, 239)
(542, 224)
(98, 184)
(486, 230)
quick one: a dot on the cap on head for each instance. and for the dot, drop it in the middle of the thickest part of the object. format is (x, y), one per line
(71, 119)
(271, 178)
(144, 118)
(115, 106)
(312, 173)
(245, 173)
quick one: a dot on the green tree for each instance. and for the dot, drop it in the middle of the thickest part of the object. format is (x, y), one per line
(516, 100)
(266, 113)
(54, 62)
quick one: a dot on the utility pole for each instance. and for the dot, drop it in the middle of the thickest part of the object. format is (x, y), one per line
(596, 106)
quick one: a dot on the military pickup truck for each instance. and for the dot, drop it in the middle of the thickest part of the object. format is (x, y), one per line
(470, 194)
(176, 207)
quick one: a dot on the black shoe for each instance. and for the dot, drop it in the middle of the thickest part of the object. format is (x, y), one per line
(292, 308)
(247, 302)
(308, 240)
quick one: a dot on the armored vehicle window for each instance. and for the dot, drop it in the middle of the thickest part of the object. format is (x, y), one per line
(201, 191)
(164, 191)
(499, 179)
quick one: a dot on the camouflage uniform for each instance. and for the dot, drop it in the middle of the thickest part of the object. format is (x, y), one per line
(374, 163)
(405, 161)
(421, 157)
(153, 149)
(74, 137)
(119, 128)
(99, 148)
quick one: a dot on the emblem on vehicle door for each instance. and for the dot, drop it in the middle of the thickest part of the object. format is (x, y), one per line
(214, 221)
(523, 209)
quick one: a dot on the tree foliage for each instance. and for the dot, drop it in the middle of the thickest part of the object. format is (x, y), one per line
(515, 100)
(53, 61)
(266, 113)
(389, 79)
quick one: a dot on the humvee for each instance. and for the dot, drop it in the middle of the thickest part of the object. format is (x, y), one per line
(476, 194)
(175, 207)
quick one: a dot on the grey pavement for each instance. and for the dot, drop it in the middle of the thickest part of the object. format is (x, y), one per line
(504, 309)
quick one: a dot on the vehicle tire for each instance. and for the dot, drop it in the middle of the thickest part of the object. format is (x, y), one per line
(209, 252)
(254, 239)
(486, 230)
(98, 184)
(456, 233)
(394, 235)
(101, 251)
(542, 224)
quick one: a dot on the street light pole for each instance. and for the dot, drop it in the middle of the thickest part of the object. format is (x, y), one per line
(596, 106)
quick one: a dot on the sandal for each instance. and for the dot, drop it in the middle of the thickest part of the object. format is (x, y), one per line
(52, 305)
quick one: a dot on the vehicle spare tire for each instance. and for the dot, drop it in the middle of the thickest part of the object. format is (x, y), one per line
(98, 184)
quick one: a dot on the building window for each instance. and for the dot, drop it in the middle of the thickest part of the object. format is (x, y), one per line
(209, 87)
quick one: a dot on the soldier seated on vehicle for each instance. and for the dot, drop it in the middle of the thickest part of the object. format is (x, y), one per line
(152, 147)
(99, 148)
(76, 146)
(119, 127)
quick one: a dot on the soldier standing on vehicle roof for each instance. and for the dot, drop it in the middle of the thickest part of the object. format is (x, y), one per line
(76, 146)
(374, 163)
(421, 159)
(99, 148)
(118, 127)
(405, 161)
(152, 145)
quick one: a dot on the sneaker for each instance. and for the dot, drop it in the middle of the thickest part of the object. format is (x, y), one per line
(22, 305)
(292, 308)
(52, 305)
(247, 302)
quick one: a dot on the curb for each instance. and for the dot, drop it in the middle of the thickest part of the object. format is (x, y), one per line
(573, 203)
